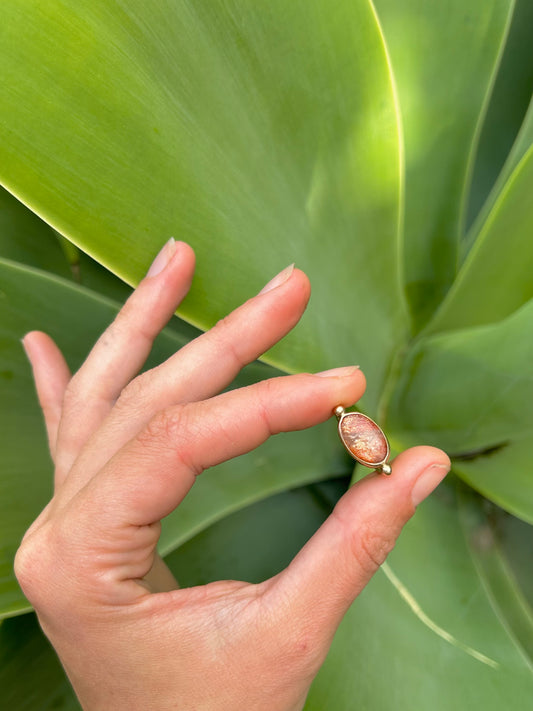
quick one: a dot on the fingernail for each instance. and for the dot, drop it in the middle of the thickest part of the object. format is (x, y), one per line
(428, 481)
(29, 348)
(163, 258)
(279, 279)
(26, 350)
(339, 372)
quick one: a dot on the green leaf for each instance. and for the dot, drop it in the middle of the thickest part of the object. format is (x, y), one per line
(31, 676)
(262, 134)
(75, 317)
(258, 541)
(25, 238)
(445, 57)
(508, 600)
(515, 537)
(423, 634)
(502, 475)
(468, 390)
(508, 105)
(520, 152)
(495, 278)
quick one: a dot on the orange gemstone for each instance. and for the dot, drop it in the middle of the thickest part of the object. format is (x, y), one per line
(364, 439)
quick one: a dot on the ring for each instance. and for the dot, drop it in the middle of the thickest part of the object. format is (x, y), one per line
(363, 439)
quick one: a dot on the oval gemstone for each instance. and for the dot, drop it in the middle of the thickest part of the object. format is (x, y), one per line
(364, 439)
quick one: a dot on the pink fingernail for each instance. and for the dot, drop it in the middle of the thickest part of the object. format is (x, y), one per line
(428, 481)
(279, 279)
(25, 346)
(339, 372)
(163, 258)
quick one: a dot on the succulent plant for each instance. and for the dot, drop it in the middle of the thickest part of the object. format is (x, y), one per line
(387, 149)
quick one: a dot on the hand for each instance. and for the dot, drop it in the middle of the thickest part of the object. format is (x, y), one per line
(127, 450)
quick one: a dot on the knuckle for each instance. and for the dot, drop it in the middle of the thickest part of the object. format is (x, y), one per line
(222, 326)
(371, 543)
(134, 392)
(226, 336)
(126, 314)
(266, 395)
(72, 391)
(33, 563)
(133, 318)
(172, 427)
(163, 426)
(22, 566)
(115, 331)
(55, 565)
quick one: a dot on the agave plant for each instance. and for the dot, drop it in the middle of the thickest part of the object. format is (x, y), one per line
(386, 147)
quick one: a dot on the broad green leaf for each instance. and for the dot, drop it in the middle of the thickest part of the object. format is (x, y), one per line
(258, 541)
(495, 278)
(503, 475)
(31, 676)
(263, 134)
(508, 105)
(519, 152)
(423, 634)
(75, 317)
(468, 390)
(445, 57)
(25, 238)
(515, 537)
(508, 600)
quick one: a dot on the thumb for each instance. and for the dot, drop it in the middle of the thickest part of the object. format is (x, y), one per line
(322, 581)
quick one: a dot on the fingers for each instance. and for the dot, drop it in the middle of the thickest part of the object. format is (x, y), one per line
(51, 375)
(200, 369)
(206, 365)
(122, 349)
(339, 560)
(152, 474)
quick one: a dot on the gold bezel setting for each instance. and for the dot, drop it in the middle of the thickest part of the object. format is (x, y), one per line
(380, 464)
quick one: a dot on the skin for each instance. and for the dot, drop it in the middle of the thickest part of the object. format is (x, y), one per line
(127, 448)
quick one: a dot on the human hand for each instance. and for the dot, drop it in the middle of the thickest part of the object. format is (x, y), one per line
(127, 450)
